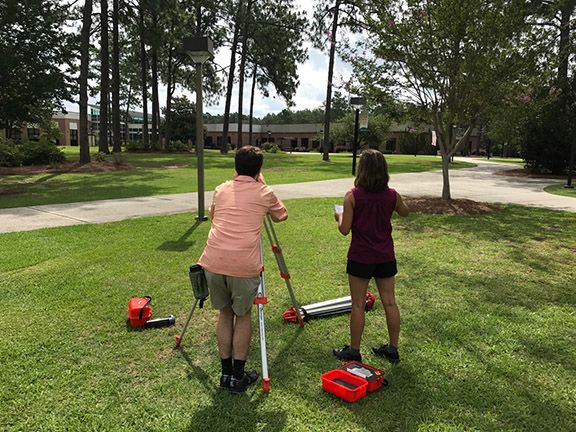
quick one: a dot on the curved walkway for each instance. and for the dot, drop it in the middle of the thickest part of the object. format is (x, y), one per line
(477, 184)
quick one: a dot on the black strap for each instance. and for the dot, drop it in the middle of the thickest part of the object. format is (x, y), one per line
(143, 307)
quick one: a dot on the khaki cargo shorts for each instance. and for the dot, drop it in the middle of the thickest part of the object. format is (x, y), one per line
(230, 290)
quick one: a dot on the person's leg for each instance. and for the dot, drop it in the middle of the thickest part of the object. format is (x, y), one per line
(225, 332)
(242, 334)
(358, 288)
(386, 290)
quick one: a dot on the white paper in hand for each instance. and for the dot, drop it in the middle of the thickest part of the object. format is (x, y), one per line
(339, 208)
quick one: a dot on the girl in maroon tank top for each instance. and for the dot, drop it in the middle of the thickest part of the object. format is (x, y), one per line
(368, 209)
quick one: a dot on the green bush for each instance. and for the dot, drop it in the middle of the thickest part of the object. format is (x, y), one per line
(10, 155)
(177, 146)
(266, 146)
(41, 153)
(118, 158)
(274, 149)
(133, 146)
(100, 157)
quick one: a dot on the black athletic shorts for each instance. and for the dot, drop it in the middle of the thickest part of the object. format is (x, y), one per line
(368, 271)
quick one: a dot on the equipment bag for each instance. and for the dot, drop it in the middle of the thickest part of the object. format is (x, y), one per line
(139, 310)
(199, 284)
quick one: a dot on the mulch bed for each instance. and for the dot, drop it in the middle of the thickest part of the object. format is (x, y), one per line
(428, 205)
(67, 167)
(521, 172)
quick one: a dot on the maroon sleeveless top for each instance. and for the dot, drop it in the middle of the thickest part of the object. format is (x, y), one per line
(371, 228)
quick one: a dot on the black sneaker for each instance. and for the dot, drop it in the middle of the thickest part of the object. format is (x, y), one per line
(346, 353)
(383, 351)
(238, 386)
(225, 381)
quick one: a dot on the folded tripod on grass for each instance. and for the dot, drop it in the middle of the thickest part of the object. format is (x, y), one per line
(325, 308)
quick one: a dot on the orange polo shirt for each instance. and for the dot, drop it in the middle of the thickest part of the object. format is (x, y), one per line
(237, 214)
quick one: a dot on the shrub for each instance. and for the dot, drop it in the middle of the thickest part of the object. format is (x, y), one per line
(41, 153)
(177, 146)
(133, 146)
(266, 146)
(10, 155)
(274, 149)
(100, 157)
(118, 158)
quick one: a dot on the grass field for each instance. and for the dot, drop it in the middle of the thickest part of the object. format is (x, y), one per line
(561, 190)
(161, 174)
(488, 337)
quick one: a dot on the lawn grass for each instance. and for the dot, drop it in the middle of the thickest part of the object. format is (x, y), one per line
(561, 190)
(161, 174)
(488, 335)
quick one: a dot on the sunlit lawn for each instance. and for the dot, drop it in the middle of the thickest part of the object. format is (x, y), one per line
(160, 174)
(561, 190)
(488, 335)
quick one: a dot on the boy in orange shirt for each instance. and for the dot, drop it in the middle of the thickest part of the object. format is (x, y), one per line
(231, 261)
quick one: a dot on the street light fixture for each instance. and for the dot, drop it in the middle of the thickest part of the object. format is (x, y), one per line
(356, 103)
(199, 49)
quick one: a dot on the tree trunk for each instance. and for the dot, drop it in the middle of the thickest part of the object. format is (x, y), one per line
(154, 67)
(169, 92)
(117, 143)
(252, 92)
(229, 87)
(446, 177)
(84, 64)
(326, 155)
(564, 44)
(144, 70)
(245, 21)
(104, 78)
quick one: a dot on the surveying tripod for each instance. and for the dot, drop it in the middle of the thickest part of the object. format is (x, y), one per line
(260, 299)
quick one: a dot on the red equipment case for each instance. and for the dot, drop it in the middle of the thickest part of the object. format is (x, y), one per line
(353, 380)
(139, 311)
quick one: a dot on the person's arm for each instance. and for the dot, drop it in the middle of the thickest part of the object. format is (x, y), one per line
(277, 209)
(401, 207)
(345, 218)
(211, 214)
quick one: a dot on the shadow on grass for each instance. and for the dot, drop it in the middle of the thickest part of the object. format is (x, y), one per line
(228, 412)
(180, 245)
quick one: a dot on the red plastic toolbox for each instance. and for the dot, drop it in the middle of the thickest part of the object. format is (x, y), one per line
(344, 385)
(373, 376)
(139, 311)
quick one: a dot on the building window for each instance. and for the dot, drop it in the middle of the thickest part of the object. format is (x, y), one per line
(73, 137)
(304, 142)
(33, 134)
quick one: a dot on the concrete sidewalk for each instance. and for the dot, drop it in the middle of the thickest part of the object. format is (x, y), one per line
(477, 184)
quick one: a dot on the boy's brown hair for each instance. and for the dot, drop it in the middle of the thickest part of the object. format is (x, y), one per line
(372, 171)
(248, 161)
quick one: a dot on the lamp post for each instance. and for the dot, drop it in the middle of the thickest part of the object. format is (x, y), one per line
(199, 49)
(356, 103)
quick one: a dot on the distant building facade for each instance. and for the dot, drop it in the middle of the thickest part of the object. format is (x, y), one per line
(288, 137)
